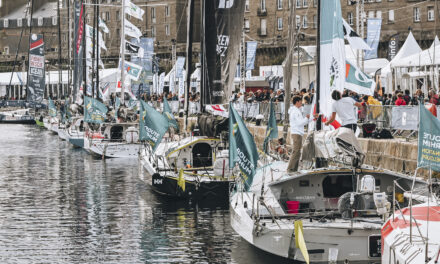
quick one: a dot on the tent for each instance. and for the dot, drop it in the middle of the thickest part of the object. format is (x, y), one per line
(423, 58)
(408, 48)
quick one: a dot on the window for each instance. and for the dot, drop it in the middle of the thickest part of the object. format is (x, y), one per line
(19, 22)
(153, 15)
(263, 5)
(107, 16)
(416, 14)
(305, 3)
(298, 4)
(118, 33)
(280, 23)
(305, 22)
(298, 21)
(279, 4)
(370, 14)
(167, 11)
(40, 21)
(54, 21)
(153, 31)
(315, 3)
(246, 6)
(350, 18)
(379, 14)
(315, 21)
(6, 23)
(118, 16)
(430, 13)
(246, 25)
(263, 27)
(391, 16)
(167, 30)
(6, 50)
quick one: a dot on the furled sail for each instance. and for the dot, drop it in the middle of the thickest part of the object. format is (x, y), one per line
(221, 33)
(77, 47)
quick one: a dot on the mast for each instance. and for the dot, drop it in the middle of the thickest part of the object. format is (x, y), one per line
(30, 35)
(69, 72)
(84, 51)
(123, 53)
(94, 39)
(189, 40)
(98, 57)
(318, 70)
(60, 75)
(202, 56)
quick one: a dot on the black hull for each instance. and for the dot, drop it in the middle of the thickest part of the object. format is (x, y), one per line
(23, 122)
(212, 190)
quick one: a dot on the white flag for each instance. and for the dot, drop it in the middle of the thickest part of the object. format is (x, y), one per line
(161, 82)
(103, 26)
(133, 10)
(353, 38)
(89, 37)
(133, 71)
(131, 30)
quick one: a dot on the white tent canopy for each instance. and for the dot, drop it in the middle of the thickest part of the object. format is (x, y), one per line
(423, 58)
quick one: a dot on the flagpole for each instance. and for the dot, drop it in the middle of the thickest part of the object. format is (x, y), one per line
(123, 53)
(318, 68)
(189, 39)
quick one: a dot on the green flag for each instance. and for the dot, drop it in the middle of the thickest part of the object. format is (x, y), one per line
(152, 125)
(52, 108)
(132, 104)
(67, 109)
(429, 140)
(169, 114)
(272, 129)
(94, 111)
(242, 148)
(117, 104)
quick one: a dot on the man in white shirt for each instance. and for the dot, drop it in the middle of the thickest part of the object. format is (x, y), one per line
(297, 122)
(345, 108)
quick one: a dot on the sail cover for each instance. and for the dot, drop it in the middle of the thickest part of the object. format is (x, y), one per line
(221, 35)
(77, 47)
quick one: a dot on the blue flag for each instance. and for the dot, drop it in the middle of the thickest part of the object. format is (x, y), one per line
(169, 114)
(52, 108)
(152, 125)
(242, 148)
(94, 111)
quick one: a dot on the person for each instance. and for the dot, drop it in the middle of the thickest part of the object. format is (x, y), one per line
(400, 101)
(297, 123)
(433, 97)
(344, 107)
(407, 97)
(364, 109)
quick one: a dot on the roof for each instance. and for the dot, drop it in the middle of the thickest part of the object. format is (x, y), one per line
(47, 10)
(427, 57)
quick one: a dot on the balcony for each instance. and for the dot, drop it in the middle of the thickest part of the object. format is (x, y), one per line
(261, 12)
(262, 32)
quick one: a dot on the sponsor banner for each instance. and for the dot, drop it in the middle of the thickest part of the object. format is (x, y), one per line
(429, 140)
(357, 81)
(251, 51)
(131, 30)
(152, 125)
(94, 111)
(179, 66)
(393, 46)
(36, 71)
(405, 117)
(133, 10)
(373, 37)
(77, 53)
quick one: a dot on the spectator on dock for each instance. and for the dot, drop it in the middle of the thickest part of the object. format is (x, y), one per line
(400, 101)
(407, 97)
(433, 97)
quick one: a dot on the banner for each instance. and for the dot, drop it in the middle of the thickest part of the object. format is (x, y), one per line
(179, 66)
(272, 128)
(133, 10)
(146, 61)
(131, 30)
(133, 71)
(152, 125)
(373, 37)
(134, 49)
(161, 83)
(405, 117)
(102, 25)
(77, 50)
(393, 46)
(357, 81)
(36, 71)
(251, 51)
(90, 32)
(428, 154)
(182, 84)
(332, 62)
(242, 148)
(94, 111)
(168, 113)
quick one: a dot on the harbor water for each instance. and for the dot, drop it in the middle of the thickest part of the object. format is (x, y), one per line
(58, 204)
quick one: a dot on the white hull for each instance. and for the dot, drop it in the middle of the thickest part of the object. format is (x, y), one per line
(114, 149)
(62, 133)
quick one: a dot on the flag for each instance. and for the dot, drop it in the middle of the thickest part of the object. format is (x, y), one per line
(90, 31)
(131, 30)
(356, 42)
(373, 37)
(52, 108)
(181, 180)
(429, 140)
(357, 81)
(94, 111)
(251, 51)
(133, 10)
(161, 82)
(272, 129)
(152, 125)
(393, 46)
(102, 25)
(133, 104)
(332, 63)
(242, 148)
(132, 70)
(169, 114)
(132, 48)
(117, 104)
(299, 240)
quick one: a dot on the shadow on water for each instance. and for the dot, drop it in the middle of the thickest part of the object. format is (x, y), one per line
(60, 205)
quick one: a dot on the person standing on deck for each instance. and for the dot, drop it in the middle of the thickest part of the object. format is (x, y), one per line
(344, 107)
(297, 122)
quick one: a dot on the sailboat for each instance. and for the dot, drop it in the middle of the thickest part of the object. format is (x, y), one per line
(328, 214)
(196, 167)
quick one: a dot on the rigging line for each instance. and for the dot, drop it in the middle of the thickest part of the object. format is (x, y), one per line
(181, 17)
(19, 43)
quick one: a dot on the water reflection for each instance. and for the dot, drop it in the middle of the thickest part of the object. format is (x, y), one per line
(60, 205)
